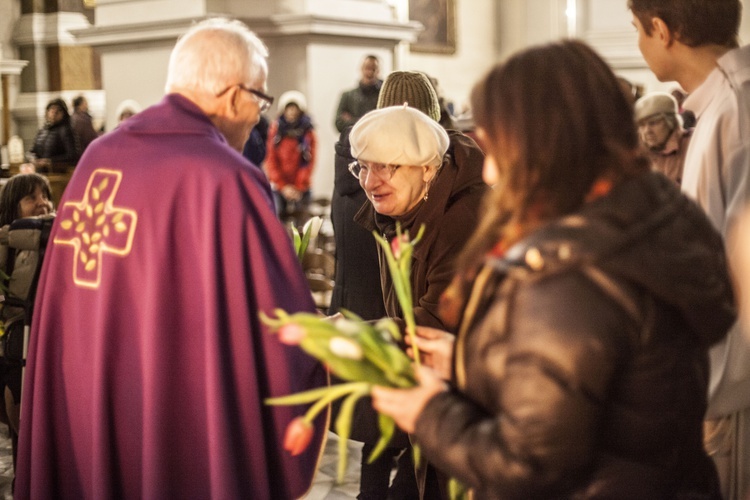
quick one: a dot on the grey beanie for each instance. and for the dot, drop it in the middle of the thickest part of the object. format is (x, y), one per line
(413, 88)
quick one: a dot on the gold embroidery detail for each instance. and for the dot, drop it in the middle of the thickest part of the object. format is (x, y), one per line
(84, 225)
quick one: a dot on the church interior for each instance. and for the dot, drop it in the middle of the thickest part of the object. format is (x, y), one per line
(116, 51)
(111, 51)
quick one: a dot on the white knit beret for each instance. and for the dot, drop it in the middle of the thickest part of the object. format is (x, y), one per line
(399, 135)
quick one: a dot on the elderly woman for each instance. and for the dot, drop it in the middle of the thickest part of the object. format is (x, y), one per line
(414, 172)
(587, 301)
(402, 166)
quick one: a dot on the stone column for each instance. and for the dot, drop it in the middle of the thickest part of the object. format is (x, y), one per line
(8, 68)
(59, 66)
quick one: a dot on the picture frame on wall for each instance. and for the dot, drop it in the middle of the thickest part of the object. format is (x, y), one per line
(439, 20)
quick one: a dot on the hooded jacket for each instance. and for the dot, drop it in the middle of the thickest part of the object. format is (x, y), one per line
(290, 153)
(582, 356)
(450, 215)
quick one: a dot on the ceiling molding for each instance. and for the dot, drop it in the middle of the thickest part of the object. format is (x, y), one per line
(49, 29)
(279, 26)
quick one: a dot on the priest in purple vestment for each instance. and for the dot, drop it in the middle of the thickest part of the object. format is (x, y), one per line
(148, 365)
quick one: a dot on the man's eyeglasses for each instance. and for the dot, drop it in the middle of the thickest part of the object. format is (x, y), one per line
(360, 170)
(264, 100)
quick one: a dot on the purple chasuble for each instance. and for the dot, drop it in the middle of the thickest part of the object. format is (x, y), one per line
(148, 365)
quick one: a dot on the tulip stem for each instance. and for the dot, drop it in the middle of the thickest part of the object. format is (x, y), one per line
(336, 392)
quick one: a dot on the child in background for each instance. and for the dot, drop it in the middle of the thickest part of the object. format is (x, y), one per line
(290, 155)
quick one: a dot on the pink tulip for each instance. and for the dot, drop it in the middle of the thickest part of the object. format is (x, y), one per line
(291, 334)
(299, 433)
(396, 245)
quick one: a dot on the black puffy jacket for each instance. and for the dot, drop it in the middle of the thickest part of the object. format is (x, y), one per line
(57, 143)
(582, 356)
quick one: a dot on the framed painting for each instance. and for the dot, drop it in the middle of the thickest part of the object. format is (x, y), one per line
(439, 20)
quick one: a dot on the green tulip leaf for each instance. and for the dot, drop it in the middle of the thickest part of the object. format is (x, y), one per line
(344, 426)
(387, 426)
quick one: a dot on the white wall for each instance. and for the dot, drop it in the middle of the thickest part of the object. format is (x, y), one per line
(333, 69)
(138, 73)
(10, 10)
(476, 50)
(321, 71)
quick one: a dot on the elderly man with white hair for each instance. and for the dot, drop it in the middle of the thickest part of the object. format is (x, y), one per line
(148, 366)
(660, 128)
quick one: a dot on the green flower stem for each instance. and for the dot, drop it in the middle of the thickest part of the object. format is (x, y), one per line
(335, 394)
(400, 270)
(296, 241)
(387, 426)
(329, 393)
(344, 425)
(411, 331)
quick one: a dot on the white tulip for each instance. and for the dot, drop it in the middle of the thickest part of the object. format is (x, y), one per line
(345, 348)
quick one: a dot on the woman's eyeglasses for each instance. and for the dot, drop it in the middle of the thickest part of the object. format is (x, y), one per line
(360, 170)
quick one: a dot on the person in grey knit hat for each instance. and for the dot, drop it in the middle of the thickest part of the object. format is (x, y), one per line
(662, 134)
(413, 88)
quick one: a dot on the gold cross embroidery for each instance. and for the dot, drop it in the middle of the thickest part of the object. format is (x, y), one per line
(93, 226)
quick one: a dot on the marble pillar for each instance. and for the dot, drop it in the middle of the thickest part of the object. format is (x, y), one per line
(59, 65)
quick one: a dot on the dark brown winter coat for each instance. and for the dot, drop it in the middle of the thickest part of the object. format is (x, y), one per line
(450, 215)
(582, 356)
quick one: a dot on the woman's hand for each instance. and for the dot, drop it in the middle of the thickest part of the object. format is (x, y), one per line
(435, 349)
(405, 405)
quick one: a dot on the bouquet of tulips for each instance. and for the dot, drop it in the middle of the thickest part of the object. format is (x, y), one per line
(362, 353)
(356, 351)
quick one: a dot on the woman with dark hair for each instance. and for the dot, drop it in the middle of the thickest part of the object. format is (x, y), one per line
(586, 302)
(55, 143)
(24, 195)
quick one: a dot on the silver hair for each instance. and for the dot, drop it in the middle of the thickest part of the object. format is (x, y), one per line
(215, 54)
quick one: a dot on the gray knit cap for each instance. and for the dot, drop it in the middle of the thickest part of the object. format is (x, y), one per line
(410, 87)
